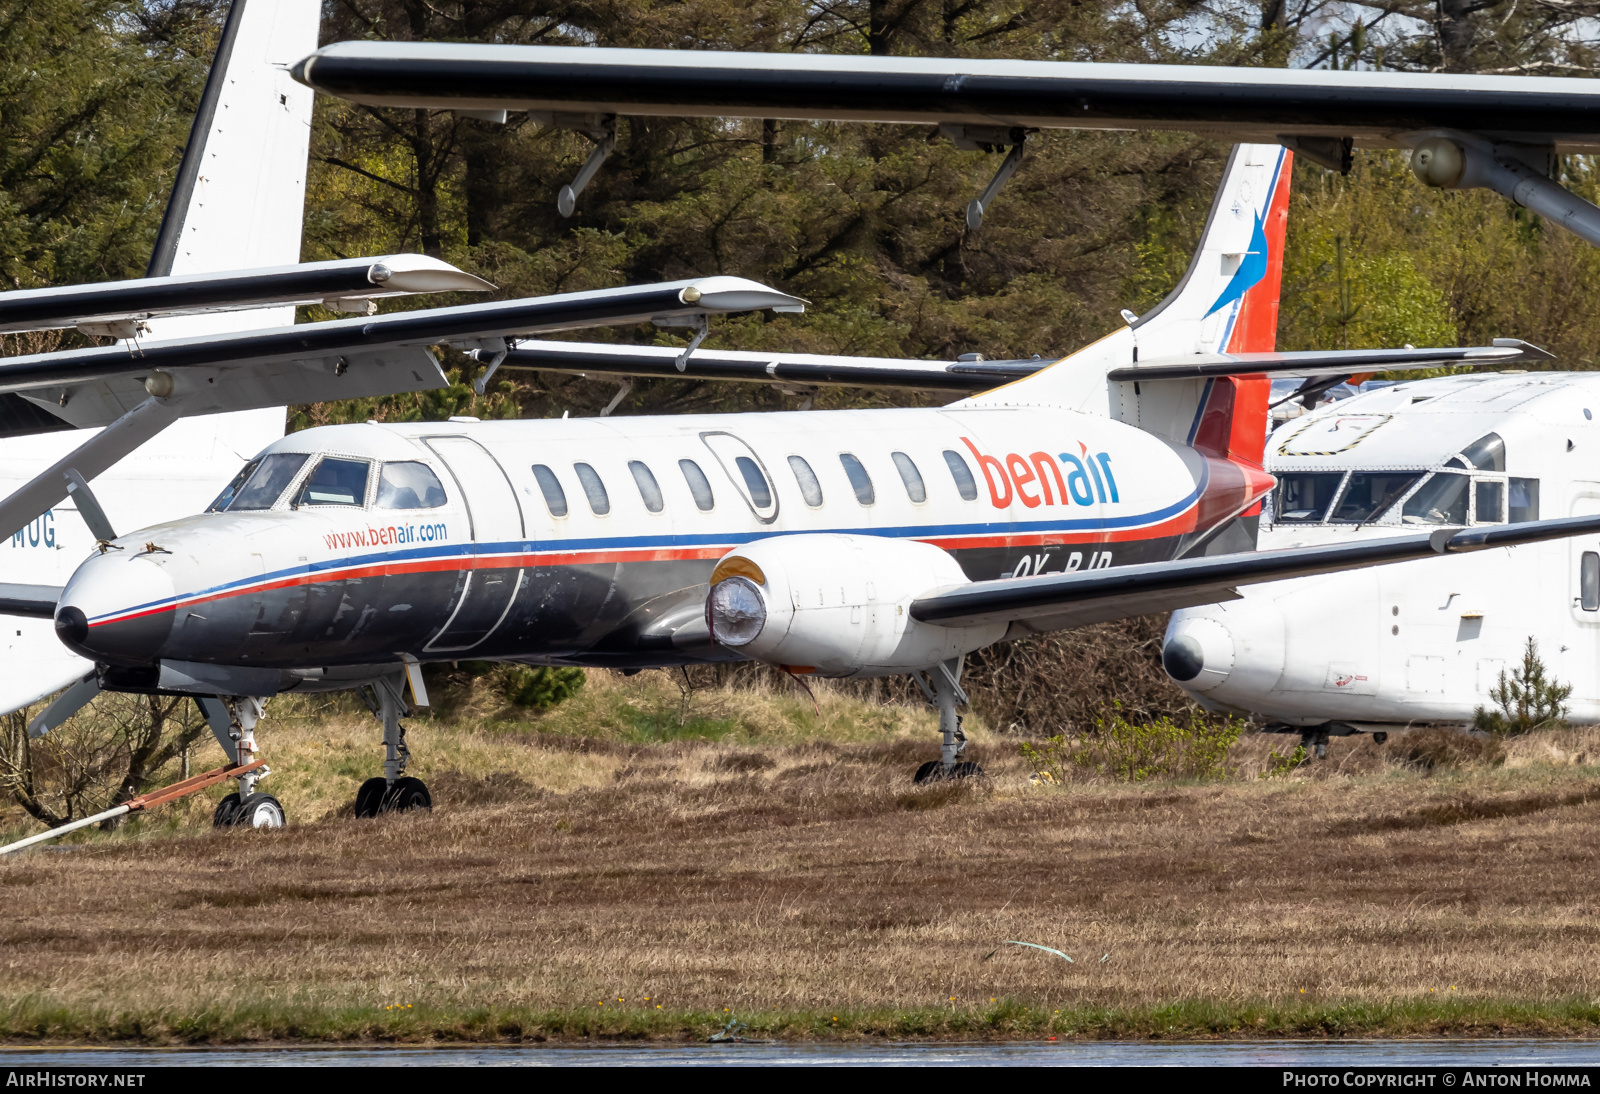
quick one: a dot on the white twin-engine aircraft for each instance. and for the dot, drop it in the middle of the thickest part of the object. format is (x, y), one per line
(1420, 642)
(161, 421)
(847, 543)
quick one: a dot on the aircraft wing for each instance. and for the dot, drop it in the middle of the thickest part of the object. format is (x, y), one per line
(800, 369)
(32, 600)
(1047, 602)
(345, 285)
(1317, 363)
(970, 377)
(1374, 109)
(137, 390)
(342, 359)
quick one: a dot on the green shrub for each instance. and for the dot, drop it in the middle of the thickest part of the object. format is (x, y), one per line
(1134, 752)
(1527, 700)
(1279, 767)
(542, 687)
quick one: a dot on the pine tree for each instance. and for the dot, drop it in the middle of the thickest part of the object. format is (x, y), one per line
(1527, 699)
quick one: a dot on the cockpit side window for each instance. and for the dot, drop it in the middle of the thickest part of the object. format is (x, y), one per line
(260, 484)
(409, 484)
(335, 482)
(1304, 498)
(1524, 500)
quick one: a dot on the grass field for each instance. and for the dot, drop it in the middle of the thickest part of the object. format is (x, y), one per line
(634, 864)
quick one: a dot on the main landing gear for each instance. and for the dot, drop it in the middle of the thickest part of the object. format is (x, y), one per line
(394, 792)
(1314, 739)
(233, 722)
(945, 693)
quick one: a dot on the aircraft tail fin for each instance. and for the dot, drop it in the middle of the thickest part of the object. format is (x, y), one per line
(1227, 302)
(239, 197)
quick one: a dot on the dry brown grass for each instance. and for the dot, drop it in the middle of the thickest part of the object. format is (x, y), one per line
(775, 873)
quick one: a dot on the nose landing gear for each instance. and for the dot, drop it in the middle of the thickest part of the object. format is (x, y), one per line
(233, 722)
(394, 791)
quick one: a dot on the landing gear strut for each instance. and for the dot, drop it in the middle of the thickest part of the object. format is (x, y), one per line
(946, 693)
(394, 792)
(233, 722)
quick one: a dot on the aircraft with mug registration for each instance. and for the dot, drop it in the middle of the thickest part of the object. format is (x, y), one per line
(1414, 643)
(835, 543)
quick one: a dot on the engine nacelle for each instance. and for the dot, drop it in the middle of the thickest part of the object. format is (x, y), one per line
(838, 605)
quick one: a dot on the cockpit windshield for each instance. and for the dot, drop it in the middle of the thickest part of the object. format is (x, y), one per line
(1369, 494)
(335, 482)
(261, 482)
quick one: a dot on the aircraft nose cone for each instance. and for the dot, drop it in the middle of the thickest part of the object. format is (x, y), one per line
(1198, 653)
(72, 627)
(116, 609)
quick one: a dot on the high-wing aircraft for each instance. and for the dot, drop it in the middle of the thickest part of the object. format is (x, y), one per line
(1498, 132)
(843, 543)
(198, 385)
(1421, 642)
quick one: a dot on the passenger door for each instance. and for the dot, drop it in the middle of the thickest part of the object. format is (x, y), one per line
(497, 538)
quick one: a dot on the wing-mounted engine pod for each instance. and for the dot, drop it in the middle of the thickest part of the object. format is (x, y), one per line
(838, 605)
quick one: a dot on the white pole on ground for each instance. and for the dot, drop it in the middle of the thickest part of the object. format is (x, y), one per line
(64, 829)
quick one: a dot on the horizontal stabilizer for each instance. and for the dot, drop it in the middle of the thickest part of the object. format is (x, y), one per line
(38, 601)
(801, 369)
(1047, 602)
(115, 308)
(1312, 109)
(1315, 363)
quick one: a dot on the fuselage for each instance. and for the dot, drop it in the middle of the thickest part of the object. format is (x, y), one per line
(1419, 641)
(590, 541)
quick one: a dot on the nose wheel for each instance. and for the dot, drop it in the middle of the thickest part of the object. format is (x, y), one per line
(252, 811)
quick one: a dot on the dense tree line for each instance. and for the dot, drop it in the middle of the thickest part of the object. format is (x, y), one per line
(864, 221)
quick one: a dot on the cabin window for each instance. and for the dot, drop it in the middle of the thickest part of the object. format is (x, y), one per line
(1369, 494)
(1304, 498)
(260, 484)
(1524, 500)
(410, 484)
(860, 481)
(649, 489)
(699, 485)
(555, 498)
(810, 488)
(336, 482)
(1441, 499)
(965, 483)
(910, 476)
(754, 481)
(1589, 582)
(1488, 501)
(593, 489)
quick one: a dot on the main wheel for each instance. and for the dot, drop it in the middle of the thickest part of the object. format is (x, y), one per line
(406, 794)
(933, 771)
(259, 811)
(369, 799)
(226, 809)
